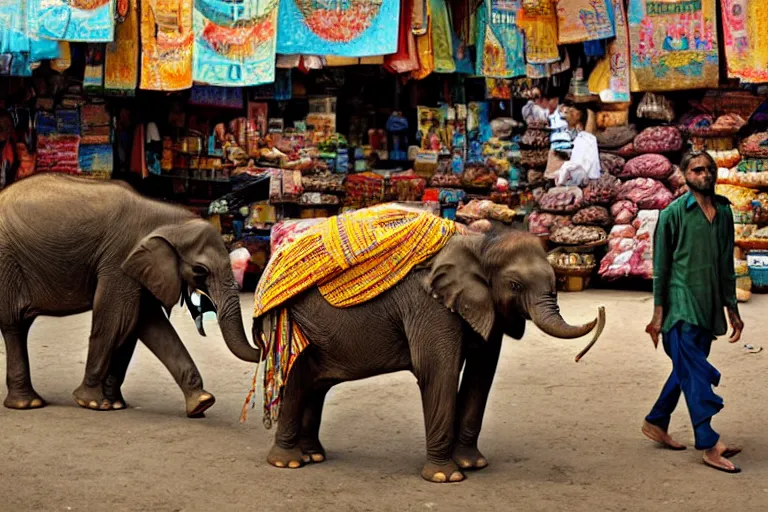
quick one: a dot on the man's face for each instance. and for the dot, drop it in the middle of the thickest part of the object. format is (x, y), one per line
(700, 177)
(573, 116)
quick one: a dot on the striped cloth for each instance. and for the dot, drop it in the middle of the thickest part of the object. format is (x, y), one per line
(351, 258)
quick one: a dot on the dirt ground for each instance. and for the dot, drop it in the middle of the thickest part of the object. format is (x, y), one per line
(559, 435)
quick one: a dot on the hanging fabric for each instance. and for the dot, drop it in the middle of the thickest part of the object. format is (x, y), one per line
(235, 42)
(618, 57)
(93, 78)
(500, 42)
(424, 47)
(584, 20)
(538, 21)
(673, 45)
(121, 67)
(166, 41)
(551, 69)
(90, 21)
(442, 37)
(405, 60)
(745, 30)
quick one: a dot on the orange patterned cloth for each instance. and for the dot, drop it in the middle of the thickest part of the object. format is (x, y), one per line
(166, 45)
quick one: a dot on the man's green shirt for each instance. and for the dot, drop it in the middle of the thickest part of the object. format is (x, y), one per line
(693, 272)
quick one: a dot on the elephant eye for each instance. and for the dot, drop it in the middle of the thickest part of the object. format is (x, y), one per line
(199, 271)
(517, 286)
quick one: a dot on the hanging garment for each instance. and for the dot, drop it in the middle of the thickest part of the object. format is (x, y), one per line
(235, 42)
(538, 21)
(500, 43)
(405, 60)
(673, 45)
(745, 30)
(424, 47)
(22, 50)
(121, 67)
(90, 21)
(618, 57)
(166, 41)
(537, 71)
(344, 28)
(442, 37)
(584, 20)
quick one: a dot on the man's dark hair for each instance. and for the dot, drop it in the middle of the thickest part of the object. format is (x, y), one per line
(685, 162)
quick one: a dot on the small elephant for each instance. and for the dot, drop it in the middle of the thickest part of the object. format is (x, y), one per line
(447, 314)
(69, 245)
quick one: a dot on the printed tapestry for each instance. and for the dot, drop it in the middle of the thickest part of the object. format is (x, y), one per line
(121, 65)
(538, 20)
(745, 29)
(673, 44)
(235, 42)
(503, 43)
(166, 43)
(618, 90)
(90, 21)
(584, 20)
(344, 28)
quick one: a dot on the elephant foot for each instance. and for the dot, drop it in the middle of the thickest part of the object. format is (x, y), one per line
(23, 400)
(312, 451)
(286, 457)
(113, 394)
(199, 402)
(469, 457)
(442, 473)
(94, 399)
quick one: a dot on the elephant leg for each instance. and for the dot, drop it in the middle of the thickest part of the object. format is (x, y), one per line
(117, 370)
(309, 439)
(21, 394)
(437, 371)
(476, 382)
(286, 452)
(157, 333)
(115, 308)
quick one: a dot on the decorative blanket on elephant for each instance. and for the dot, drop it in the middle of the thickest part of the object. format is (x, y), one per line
(351, 258)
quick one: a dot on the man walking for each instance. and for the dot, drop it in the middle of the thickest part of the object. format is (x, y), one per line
(693, 285)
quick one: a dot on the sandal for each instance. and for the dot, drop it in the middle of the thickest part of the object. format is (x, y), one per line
(711, 464)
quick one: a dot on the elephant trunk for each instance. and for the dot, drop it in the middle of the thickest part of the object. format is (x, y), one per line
(231, 324)
(546, 315)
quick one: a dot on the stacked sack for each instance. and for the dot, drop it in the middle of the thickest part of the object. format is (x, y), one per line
(534, 151)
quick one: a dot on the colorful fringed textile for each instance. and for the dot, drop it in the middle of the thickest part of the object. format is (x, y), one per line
(344, 28)
(121, 66)
(442, 37)
(745, 29)
(351, 258)
(584, 20)
(91, 21)
(618, 90)
(538, 20)
(673, 44)
(166, 45)
(235, 42)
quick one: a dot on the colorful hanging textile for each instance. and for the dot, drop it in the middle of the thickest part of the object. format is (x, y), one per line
(166, 42)
(501, 40)
(424, 50)
(745, 29)
(584, 20)
(352, 258)
(538, 21)
(405, 60)
(235, 42)
(121, 67)
(551, 69)
(442, 37)
(618, 90)
(345, 28)
(91, 21)
(93, 78)
(21, 51)
(673, 44)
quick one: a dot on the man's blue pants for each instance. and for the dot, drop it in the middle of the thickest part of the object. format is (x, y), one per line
(688, 347)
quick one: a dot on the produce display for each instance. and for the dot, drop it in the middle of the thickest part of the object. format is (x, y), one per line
(484, 209)
(623, 212)
(562, 200)
(592, 216)
(647, 166)
(755, 146)
(540, 223)
(646, 193)
(659, 139)
(602, 191)
(578, 235)
(612, 164)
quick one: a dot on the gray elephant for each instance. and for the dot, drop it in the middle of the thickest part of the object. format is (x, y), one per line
(69, 245)
(448, 313)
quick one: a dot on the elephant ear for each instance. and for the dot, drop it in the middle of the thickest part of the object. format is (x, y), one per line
(154, 263)
(515, 327)
(457, 279)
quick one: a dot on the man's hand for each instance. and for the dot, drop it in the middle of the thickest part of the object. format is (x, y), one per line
(654, 328)
(736, 323)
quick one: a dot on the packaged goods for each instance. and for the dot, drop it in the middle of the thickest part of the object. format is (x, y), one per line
(659, 139)
(540, 223)
(656, 107)
(602, 191)
(622, 231)
(645, 224)
(562, 200)
(646, 193)
(616, 137)
(623, 212)
(592, 216)
(577, 235)
(612, 164)
(755, 146)
(727, 159)
(647, 166)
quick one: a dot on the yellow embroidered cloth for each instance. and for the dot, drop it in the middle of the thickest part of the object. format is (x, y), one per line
(352, 257)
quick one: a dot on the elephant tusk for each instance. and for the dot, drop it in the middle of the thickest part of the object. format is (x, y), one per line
(598, 332)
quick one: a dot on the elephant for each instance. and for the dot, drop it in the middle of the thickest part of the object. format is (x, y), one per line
(69, 245)
(448, 313)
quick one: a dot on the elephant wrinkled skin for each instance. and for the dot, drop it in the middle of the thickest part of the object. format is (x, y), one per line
(69, 245)
(449, 313)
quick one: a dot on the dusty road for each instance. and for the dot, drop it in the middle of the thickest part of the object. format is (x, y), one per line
(559, 435)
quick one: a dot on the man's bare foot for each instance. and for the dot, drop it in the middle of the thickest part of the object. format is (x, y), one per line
(659, 435)
(714, 458)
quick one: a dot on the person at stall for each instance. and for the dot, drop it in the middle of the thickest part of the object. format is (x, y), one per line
(584, 161)
(693, 286)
